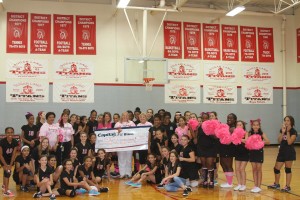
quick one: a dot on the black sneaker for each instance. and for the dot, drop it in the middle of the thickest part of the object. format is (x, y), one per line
(160, 186)
(185, 192)
(286, 189)
(24, 189)
(274, 186)
(189, 189)
(37, 195)
(52, 197)
(104, 189)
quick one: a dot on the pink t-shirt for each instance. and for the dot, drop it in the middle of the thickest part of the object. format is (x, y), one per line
(124, 124)
(67, 132)
(51, 132)
(181, 131)
(105, 126)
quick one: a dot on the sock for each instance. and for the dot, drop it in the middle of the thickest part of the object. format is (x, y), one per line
(211, 175)
(229, 177)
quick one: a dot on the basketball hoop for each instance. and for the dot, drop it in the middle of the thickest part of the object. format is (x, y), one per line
(148, 82)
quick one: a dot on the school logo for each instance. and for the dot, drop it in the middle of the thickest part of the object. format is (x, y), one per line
(248, 44)
(63, 34)
(257, 93)
(211, 42)
(40, 34)
(86, 35)
(229, 43)
(73, 90)
(216, 94)
(182, 92)
(220, 93)
(173, 39)
(17, 33)
(192, 40)
(27, 90)
(266, 45)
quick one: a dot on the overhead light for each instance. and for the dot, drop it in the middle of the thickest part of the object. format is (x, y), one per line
(235, 11)
(123, 3)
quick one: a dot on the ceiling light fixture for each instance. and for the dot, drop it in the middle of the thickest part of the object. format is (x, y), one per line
(123, 3)
(235, 11)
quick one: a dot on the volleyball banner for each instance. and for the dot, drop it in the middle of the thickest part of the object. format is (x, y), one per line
(217, 94)
(257, 74)
(172, 40)
(211, 41)
(27, 92)
(219, 72)
(63, 34)
(16, 32)
(298, 45)
(182, 93)
(230, 44)
(265, 45)
(257, 94)
(192, 40)
(129, 139)
(183, 69)
(27, 68)
(248, 44)
(86, 35)
(73, 92)
(40, 34)
(76, 70)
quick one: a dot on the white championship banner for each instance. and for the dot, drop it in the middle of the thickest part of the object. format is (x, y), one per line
(75, 70)
(219, 94)
(220, 73)
(183, 69)
(257, 94)
(257, 74)
(182, 93)
(129, 139)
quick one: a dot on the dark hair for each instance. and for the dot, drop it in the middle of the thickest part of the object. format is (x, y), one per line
(157, 116)
(7, 128)
(234, 117)
(61, 123)
(186, 112)
(182, 117)
(65, 162)
(177, 112)
(42, 156)
(91, 134)
(51, 156)
(138, 110)
(38, 117)
(67, 110)
(75, 149)
(106, 160)
(28, 115)
(174, 168)
(117, 115)
(161, 129)
(156, 163)
(106, 113)
(186, 137)
(175, 135)
(291, 119)
(93, 112)
(167, 114)
(151, 110)
(161, 110)
(129, 112)
(244, 124)
(87, 157)
(215, 113)
(50, 113)
(82, 118)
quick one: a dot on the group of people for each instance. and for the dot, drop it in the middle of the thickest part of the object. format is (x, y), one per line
(179, 156)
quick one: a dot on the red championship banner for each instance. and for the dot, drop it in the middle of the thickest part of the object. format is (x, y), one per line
(220, 72)
(211, 41)
(40, 34)
(183, 69)
(63, 34)
(265, 45)
(86, 35)
(172, 39)
(257, 74)
(298, 45)
(257, 94)
(16, 33)
(230, 44)
(248, 44)
(182, 93)
(192, 40)
(219, 94)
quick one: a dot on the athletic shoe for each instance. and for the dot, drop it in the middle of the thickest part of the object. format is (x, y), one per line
(93, 193)
(215, 182)
(81, 191)
(37, 195)
(52, 197)
(211, 185)
(237, 188)
(226, 185)
(160, 186)
(137, 185)
(242, 188)
(185, 192)
(286, 189)
(104, 189)
(256, 190)
(24, 188)
(274, 186)
(8, 193)
(129, 182)
(114, 174)
(189, 189)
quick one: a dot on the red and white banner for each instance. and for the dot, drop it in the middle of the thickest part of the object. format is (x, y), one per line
(219, 72)
(73, 92)
(217, 94)
(40, 34)
(76, 70)
(257, 74)
(298, 45)
(265, 45)
(86, 35)
(17, 33)
(257, 94)
(63, 34)
(182, 93)
(27, 91)
(192, 40)
(183, 69)
(172, 40)
(211, 41)
(230, 43)
(248, 44)
(27, 68)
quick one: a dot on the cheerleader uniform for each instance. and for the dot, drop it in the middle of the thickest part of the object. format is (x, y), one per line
(286, 152)
(242, 154)
(188, 170)
(257, 156)
(205, 145)
(227, 151)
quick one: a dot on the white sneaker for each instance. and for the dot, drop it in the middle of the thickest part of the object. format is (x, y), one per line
(242, 188)
(256, 190)
(237, 188)
(226, 185)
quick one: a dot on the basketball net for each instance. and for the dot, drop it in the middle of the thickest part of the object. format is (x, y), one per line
(148, 82)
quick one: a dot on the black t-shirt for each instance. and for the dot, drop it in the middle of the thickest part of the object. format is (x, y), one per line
(203, 140)
(186, 166)
(69, 176)
(100, 165)
(152, 131)
(93, 125)
(75, 163)
(284, 142)
(83, 151)
(35, 156)
(154, 147)
(170, 129)
(8, 149)
(93, 147)
(43, 174)
(151, 167)
(177, 148)
(39, 125)
(30, 132)
(173, 168)
(21, 160)
(87, 172)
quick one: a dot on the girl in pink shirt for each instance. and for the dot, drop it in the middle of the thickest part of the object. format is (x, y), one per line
(50, 131)
(106, 122)
(182, 129)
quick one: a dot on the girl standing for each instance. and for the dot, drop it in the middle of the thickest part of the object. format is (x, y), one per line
(29, 135)
(42, 149)
(157, 143)
(73, 158)
(152, 130)
(175, 145)
(106, 122)
(92, 124)
(40, 119)
(182, 129)
(84, 148)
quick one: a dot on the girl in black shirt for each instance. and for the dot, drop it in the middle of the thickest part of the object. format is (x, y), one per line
(56, 170)
(73, 158)
(159, 141)
(175, 145)
(29, 135)
(84, 148)
(92, 124)
(42, 149)
(152, 130)
(101, 165)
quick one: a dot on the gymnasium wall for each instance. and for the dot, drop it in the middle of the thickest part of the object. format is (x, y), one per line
(114, 42)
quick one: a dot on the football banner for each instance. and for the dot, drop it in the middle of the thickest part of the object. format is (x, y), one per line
(17, 33)
(211, 41)
(40, 34)
(192, 40)
(217, 94)
(76, 70)
(73, 92)
(27, 68)
(298, 45)
(257, 94)
(219, 72)
(129, 139)
(63, 34)
(172, 40)
(248, 44)
(257, 74)
(183, 69)
(230, 44)
(27, 91)
(182, 93)
(265, 45)
(86, 35)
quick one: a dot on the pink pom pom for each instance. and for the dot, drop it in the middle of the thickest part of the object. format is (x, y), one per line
(193, 124)
(222, 132)
(237, 136)
(210, 126)
(254, 142)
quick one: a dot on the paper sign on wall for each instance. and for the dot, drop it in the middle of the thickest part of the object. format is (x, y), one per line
(257, 74)
(183, 69)
(76, 70)
(257, 94)
(219, 94)
(182, 93)
(219, 72)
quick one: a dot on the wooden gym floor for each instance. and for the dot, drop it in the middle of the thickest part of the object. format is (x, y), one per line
(118, 190)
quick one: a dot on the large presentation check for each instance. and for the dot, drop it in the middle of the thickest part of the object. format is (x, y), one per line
(130, 138)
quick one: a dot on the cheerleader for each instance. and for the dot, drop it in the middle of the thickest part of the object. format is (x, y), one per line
(286, 154)
(42, 149)
(137, 113)
(256, 157)
(29, 135)
(182, 129)
(168, 126)
(214, 116)
(101, 165)
(82, 127)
